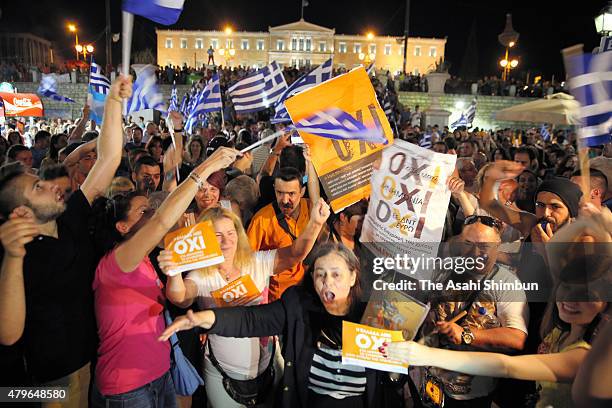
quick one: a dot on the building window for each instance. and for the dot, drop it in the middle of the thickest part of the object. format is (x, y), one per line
(199, 44)
(300, 62)
(294, 44)
(260, 45)
(168, 42)
(372, 48)
(387, 49)
(214, 43)
(357, 48)
(280, 45)
(244, 45)
(307, 62)
(293, 62)
(433, 52)
(417, 51)
(342, 48)
(322, 46)
(301, 44)
(308, 44)
(229, 44)
(183, 43)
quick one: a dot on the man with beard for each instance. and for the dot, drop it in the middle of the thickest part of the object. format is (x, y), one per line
(278, 224)
(495, 319)
(48, 263)
(527, 185)
(146, 175)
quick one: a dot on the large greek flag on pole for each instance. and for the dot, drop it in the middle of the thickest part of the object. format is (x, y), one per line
(98, 88)
(318, 75)
(462, 121)
(48, 88)
(173, 99)
(209, 100)
(334, 123)
(590, 81)
(145, 93)
(470, 113)
(259, 90)
(164, 12)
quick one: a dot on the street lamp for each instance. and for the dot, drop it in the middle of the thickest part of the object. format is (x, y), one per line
(230, 55)
(73, 29)
(370, 35)
(228, 30)
(603, 21)
(367, 57)
(84, 49)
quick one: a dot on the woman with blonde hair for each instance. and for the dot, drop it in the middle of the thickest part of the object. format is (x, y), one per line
(244, 358)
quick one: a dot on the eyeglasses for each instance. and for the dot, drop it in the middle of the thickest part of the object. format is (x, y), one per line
(484, 219)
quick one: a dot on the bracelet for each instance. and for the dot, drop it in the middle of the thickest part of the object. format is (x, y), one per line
(196, 178)
(116, 98)
(179, 130)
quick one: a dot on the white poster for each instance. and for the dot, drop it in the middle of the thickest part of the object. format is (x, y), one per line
(409, 201)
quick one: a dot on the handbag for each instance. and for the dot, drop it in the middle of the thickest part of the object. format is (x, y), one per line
(247, 392)
(184, 375)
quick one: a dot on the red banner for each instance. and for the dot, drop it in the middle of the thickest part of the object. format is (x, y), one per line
(19, 104)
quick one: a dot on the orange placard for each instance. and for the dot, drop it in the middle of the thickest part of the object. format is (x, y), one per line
(18, 104)
(239, 292)
(360, 345)
(344, 166)
(193, 247)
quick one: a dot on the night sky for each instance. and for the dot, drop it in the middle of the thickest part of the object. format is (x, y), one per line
(545, 27)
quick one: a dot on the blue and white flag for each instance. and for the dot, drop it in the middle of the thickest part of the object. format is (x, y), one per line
(209, 100)
(470, 113)
(259, 90)
(544, 132)
(371, 69)
(183, 108)
(590, 82)
(387, 107)
(462, 121)
(145, 93)
(98, 88)
(48, 88)
(425, 141)
(173, 99)
(334, 123)
(318, 75)
(164, 12)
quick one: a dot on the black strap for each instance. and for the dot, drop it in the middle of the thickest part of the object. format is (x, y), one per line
(282, 221)
(215, 363)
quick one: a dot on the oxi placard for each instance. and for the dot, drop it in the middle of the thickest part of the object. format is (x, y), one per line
(239, 292)
(193, 247)
(360, 347)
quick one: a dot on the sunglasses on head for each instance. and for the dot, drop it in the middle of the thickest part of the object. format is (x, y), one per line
(484, 219)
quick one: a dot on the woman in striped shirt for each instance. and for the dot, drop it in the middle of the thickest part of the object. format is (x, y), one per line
(309, 317)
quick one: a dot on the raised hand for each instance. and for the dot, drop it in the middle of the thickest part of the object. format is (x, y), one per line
(320, 212)
(504, 169)
(19, 230)
(455, 185)
(222, 158)
(121, 88)
(175, 120)
(166, 263)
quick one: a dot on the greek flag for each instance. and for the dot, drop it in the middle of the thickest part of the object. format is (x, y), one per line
(173, 99)
(259, 90)
(470, 113)
(462, 121)
(48, 88)
(164, 12)
(544, 132)
(386, 105)
(145, 93)
(425, 141)
(98, 88)
(318, 75)
(371, 69)
(590, 81)
(183, 108)
(334, 123)
(209, 100)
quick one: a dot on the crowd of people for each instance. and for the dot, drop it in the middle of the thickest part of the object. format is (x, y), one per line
(84, 280)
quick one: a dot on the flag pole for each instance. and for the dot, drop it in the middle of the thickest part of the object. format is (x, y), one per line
(126, 37)
(583, 150)
(264, 140)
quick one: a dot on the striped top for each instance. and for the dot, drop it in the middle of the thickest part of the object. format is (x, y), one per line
(328, 376)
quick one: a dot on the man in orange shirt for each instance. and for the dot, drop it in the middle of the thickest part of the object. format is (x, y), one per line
(279, 223)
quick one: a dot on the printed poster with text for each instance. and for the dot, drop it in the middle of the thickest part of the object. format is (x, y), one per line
(193, 247)
(409, 201)
(360, 347)
(239, 292)
(343, 166)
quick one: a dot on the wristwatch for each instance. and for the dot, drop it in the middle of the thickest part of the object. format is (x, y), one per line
(467, 337)
(179, 130)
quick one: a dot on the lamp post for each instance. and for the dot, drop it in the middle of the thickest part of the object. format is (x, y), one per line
(73, 29)
(508, 64)
(603, 25)
(229, 55)
(508, 38)
(84, 49)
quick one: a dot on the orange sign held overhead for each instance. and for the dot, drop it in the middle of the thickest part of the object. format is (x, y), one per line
(193, 247)
(239, 292)
(19, 104)
(360, 347)
(344, 166)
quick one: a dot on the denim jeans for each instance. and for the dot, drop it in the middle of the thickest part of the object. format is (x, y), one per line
(156, 394)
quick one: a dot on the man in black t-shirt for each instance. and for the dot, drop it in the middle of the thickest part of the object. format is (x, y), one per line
(48, 263)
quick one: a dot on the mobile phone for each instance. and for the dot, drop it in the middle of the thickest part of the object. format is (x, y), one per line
(225, 204)
(296, 139)
(543, 224)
